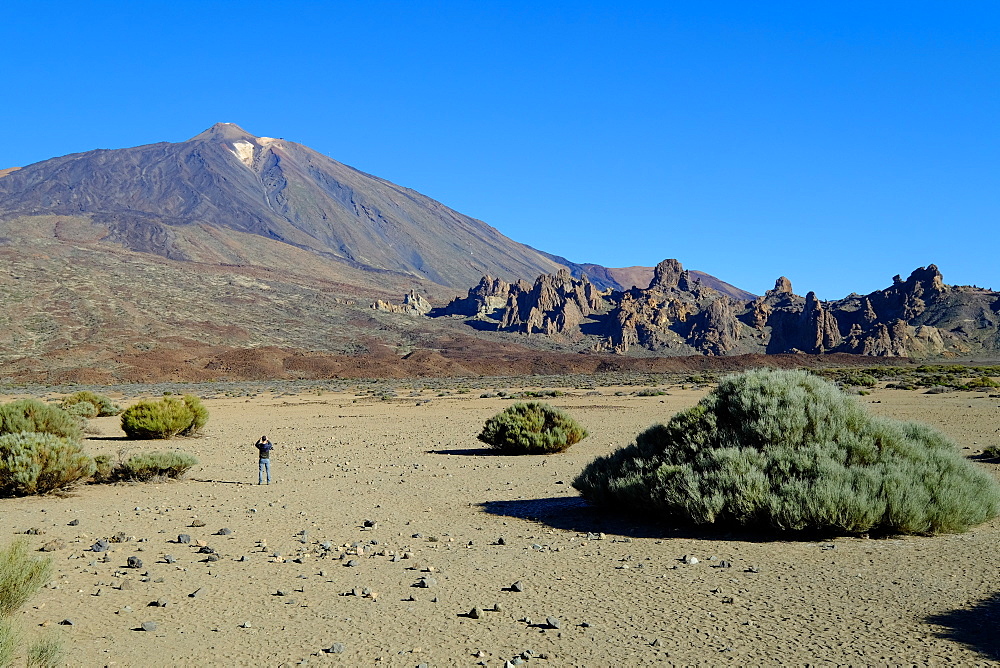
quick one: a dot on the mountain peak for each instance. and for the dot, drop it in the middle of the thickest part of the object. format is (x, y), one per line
(225, 132)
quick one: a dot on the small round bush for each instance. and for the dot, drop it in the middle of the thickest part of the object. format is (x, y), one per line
(164, 418)
(36, 463)
(104, 406)
(82, 409)
(533, 428)
(32, 415)
(787, 450)
(150, 465)
(104, 467)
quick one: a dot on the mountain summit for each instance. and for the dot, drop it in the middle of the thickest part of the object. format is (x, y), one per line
(173, 199)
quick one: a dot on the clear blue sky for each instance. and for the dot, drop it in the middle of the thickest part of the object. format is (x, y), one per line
(836, 143)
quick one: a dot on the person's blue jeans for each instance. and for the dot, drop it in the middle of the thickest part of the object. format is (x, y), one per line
(265, 468)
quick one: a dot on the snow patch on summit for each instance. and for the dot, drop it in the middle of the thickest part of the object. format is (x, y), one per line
(244, 151)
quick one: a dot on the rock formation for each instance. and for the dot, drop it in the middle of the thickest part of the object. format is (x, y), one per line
(678, 315)
(413, 304)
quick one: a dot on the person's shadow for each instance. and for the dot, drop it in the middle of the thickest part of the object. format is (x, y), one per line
(977, 628)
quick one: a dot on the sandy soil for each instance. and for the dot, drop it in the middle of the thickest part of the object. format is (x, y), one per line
(617, 588)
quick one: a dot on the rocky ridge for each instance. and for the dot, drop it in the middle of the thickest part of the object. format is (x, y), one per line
(680, 315)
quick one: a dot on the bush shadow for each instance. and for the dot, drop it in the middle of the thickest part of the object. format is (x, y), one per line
(466, 452)
(974, 627)
(571, 513)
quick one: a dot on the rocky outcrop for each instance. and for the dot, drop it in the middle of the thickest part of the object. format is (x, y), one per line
(678, 315)
(413, 304)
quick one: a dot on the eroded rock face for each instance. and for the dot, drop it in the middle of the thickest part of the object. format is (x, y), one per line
(676, 315)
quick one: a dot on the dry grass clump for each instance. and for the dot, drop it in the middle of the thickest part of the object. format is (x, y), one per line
(164, 418)
(531, 429)
(787, 450)
(21, 575)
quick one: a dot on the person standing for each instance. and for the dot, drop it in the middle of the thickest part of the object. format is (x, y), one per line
(264, 448)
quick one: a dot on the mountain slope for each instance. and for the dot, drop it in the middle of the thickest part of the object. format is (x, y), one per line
(165, 198)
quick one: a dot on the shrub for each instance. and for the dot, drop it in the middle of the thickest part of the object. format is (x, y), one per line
(787, 450)
(992, 452)
(33, 415)
(105, 407)
(150, 465)
(104, 468)
(82, 409)
(164, 418)
(21, 575)
(199, 413)
(531, 429)
(35, 463)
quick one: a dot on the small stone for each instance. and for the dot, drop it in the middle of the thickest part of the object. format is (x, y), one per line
(126, 585)
(197, 592)
(351, 563)
(497, 607)
(100, 546)
(160, 603)
(149, 626)
(335, 648)
(205, 549)
(168, 558)
(281, 592)
(134, 562)
(67, 622)
(476, 613)
(370, 524)
(752, 569)
(74, 523)
(245, 625)
(517, 586)
(501, 541)
(553, 622)
(691, 560)
(656, 643)
(184, 539)
(212, 557)
(53, 545)
(224, 532)
(725, 564)
(426, 583)
(197, 522)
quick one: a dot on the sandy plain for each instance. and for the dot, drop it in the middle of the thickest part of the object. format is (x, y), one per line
(617, 587)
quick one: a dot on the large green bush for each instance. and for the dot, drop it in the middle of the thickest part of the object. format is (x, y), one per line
(36, 463)
(37, 416)
(164, 418)
(787, 450)
(21, 575)
(150, 465)
(104, 406)
(531, 429)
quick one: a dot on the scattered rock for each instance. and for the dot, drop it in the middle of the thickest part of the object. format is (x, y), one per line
(169, 559)
(553, 622)
(100, 546)
(148, 626)
(197, 522)
(53, 545)
(67, 622)
(476, 613)
(245, 625)
(517, 586)
(335, 648)
(134, 562)
(426, 583)
(74, 523)
(224, 532)
(184, 539)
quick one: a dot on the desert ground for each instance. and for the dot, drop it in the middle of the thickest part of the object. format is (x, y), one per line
(452, 527)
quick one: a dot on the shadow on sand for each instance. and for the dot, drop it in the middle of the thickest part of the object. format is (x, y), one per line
(978, 627)
(571, 513)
